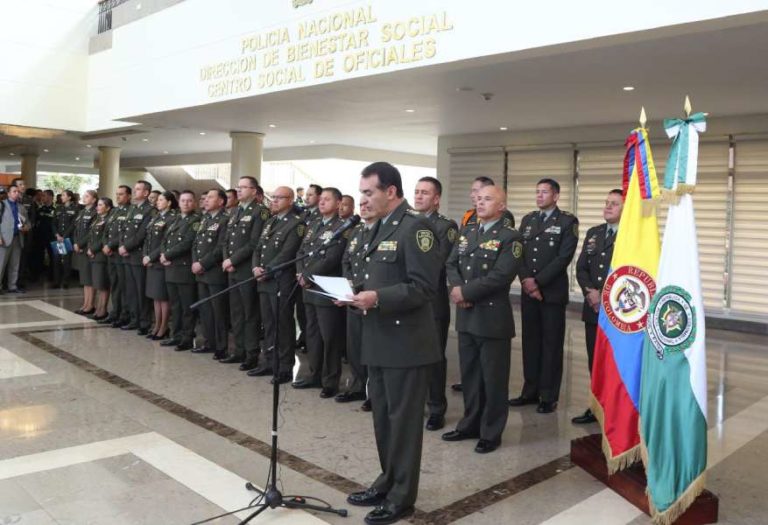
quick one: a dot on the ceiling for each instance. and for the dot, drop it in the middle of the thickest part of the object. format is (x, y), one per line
(722, 70)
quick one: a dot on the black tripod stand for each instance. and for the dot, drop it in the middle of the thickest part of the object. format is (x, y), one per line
(271, 497)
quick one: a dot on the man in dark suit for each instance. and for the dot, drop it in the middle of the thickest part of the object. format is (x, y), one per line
(207, 253)
(399, 339)
(550, 238)
(591, 270)
(426, 201)
(480, 272)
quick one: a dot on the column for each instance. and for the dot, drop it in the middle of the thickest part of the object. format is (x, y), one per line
(247, 152)
(29, 169)
(109, 171)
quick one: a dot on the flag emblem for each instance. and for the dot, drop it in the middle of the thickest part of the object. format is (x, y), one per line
(627, 297)
(673, 321)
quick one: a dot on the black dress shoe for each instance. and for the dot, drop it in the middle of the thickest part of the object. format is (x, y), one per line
(366, 498)
(435, 422)
(260, 371)
(100, 318)
(170, 342)
(106, 320)
(484, 446)
(346, 397)
(326, 392)
(129, 326)
(183, 347)
(284, 377)
(306, 383)
(522, 401)
(202, 350)
(385, 516)
(120, 323)
(219, 355)
(457, 387)
(247, 365)
(584, 419)
(546, 407)
(232, 359)
(457, 435)
(142, 331)
(366, 406)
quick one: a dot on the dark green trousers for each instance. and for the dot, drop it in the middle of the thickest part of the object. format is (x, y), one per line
(325, 343)
(183, 318)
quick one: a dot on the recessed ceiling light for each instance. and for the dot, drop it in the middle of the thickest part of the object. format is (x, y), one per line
(77, 158)
(138, 6)
(410, 110)
(12, 154)
(145, 140)
(88, 146)
(628, 88)
(311, 141)
(45, 151)
(202, 132)
(165, 153)
(272, 125)
(503, 128)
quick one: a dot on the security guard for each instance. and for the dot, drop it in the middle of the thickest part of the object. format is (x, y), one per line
(591, 271)
(207, 253)
(66, 214)
(176, 256)
(550, 238)
(325, 321)
(426, 201)
(279, 242)
(480, 272)
(246, 222)
(399, 338)
(352, 265)
(119, 314)
(130, 249)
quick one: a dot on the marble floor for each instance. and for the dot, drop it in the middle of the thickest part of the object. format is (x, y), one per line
(101, 426)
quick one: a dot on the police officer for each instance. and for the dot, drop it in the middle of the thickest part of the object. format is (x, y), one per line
(167, 207)
(325, 321)
(480, 272)
(130, 249)
(591, 270)
(246, 222)
(44, 233)
(278, 243)
(470, 216)
(309, 213)
(399, 343)
(119, 313)
(176, 256)
(550, 238)
(207, 253)
(80, 245)
(427, 201)
(66, 214)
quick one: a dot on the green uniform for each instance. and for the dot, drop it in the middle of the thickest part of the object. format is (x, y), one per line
(132, 237)
(548, 248)
(157, 228)
(65, 227)
(95, 242)
(483, 265)
(182, 292)
(446, 233)
(207, 250)
(278, 243)
(119, 311)
(325, 321)
(80, 239)
(399, 345)
(352, 265)
(245, 224)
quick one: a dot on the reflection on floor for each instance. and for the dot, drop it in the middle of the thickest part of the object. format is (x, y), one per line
(101, 426)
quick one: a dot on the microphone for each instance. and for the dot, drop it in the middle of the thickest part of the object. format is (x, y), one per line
(349, 223)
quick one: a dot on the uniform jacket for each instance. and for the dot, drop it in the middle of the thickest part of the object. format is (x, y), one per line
(156, 230)
(96, 237)
(245, 224)
(135, 231)
(353, 260)
(446, 233)
(593, 264)
(548, 248)
(65, 220)
(327, 262)
(115, 223)
(402, 264)
(177, 247)
(208, 248)
(484, 266)
(83, 226)
(278, 243)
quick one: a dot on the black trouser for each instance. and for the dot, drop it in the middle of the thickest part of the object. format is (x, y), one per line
(183, 318)
(62, 268)
(485, 364)
(246, 319)
(543, 339)
(214, 315)
(118, 310)
(436, 400)
(141, 305)
(590, 334)
(354, 341)
(286, 347)
(397, 399)
(325, 343)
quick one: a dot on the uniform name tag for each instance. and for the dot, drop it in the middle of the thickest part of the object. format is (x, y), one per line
(121, 218)
(492, 245)
(387, 246)
(247, 218)
(213, 227)
(70, 212)
(138, 217)
(553, 229)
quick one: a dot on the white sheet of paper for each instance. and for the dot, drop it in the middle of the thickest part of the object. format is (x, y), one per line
(335, 287)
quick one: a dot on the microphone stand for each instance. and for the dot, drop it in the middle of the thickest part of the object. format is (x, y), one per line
(272, 497)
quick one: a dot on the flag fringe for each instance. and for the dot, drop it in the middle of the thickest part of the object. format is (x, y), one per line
(623, 460)
(672, 196)
(650, 207)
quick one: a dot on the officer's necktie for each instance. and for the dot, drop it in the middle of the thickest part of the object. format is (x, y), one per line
(610, 233)
(482, 229)
(542, 216)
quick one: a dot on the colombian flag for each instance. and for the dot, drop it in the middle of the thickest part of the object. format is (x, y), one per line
(626, 297)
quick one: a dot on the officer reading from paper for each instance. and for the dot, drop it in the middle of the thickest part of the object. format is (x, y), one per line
(399, 339)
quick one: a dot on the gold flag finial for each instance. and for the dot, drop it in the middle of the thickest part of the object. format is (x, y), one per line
(643, 118)
(687, 106)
